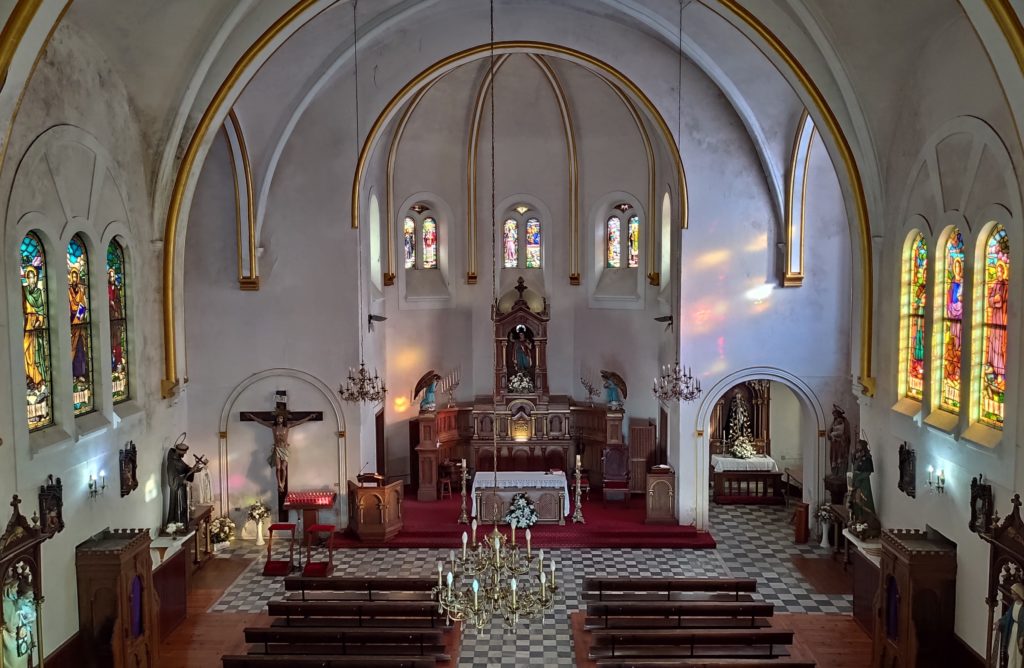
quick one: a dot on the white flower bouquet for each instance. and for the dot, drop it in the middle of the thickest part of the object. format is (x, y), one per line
(258, 512)
(742, 448)
(824, 513)
(521, 511)
(520, 384)
(222, 529)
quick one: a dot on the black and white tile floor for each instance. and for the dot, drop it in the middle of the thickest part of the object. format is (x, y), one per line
(753, 541)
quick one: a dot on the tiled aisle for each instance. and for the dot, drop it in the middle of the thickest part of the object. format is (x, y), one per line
(753, 541)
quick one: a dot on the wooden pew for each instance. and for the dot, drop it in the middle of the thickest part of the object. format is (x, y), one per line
(363, 613)
(601, 589)
(360, 589)
(703, 643)
(706, 663)
(344, 641)
(300, 661)
(678, 614)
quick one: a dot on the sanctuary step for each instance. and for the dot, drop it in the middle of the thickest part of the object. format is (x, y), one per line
(705, 663)
(302, 661)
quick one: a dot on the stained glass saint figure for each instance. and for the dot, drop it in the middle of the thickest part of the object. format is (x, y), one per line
(997, 277)
(81, 332)
(532, 243)
(510, 240)
(917, 296)
(634, 242)
(36, 338)
(614, 242)
(409, 234)
(429, 243)
(116, 299)
(952, 327)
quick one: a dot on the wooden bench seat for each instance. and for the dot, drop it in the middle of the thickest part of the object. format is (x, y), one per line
(681, 609)
(362, 623)
(690, 642)
(321, 640)
(360, 596)
(598, 588)
(319, 661)
(367, 611)
(706, 663)
(632, 623)
(367, 586)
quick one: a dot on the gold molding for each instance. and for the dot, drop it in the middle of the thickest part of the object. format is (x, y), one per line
(790, 277)
(866, 379)
(250, 281)
(1008, 22)
(14, 29)
(471, 159)
(170, 380)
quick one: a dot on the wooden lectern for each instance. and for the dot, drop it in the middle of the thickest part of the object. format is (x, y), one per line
(375, 513)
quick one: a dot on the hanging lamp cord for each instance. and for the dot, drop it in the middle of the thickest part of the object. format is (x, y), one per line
(494, 251)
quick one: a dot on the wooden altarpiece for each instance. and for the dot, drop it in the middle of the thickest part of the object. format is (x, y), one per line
(526, 329)
(21, 616)
(1005, 568)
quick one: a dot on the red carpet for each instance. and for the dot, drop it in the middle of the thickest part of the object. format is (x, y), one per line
(433, 524)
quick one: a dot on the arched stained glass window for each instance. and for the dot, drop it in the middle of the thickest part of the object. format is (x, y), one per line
(409, 232)
(117, 293)
(429, 243)
(952, 322)
(532, 243)
(81, 328)
(993, 364)
(613, 238)
(36, 338)
(916, 302)
(510, 238)
(634, 242)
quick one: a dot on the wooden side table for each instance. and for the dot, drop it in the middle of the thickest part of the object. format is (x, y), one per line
(660, 487)
(841, 517)
(202, 549)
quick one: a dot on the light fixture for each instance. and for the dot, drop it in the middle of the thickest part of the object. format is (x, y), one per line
(936, 482)
(494, 577)
(360, 386)
(96, 487)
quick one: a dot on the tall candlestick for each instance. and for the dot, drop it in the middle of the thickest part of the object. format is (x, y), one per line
(577, 461)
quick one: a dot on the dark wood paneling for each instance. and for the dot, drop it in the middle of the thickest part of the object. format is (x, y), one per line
(170, 580)
(865, 588)
(68, 655)
(963, 655)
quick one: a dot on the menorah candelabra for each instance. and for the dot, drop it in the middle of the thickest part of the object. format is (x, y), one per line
(449, 383)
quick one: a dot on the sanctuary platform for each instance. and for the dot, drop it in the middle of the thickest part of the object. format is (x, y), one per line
(433, 524)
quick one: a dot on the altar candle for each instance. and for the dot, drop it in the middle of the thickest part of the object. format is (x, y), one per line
(476, 594)
(474, 532)
(463, 463)
(577, 461)
(465, 540)
(527, 543)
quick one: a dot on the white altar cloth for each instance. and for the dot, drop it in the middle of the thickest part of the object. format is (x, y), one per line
(525, 480)
(721, 463)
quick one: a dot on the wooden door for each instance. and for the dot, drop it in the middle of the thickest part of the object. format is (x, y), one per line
(382, 451)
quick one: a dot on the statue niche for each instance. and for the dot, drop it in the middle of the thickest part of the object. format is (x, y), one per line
(520, 340)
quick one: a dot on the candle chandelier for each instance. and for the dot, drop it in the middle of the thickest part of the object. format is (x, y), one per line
(360, 386)
(492, 578)
(676, 383)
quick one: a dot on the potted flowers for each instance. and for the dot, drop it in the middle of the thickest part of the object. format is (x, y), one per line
(222, 530)
(259, 513)
(824, 516)
(521, 511)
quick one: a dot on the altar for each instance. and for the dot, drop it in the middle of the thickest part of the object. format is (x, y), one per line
(548, 491)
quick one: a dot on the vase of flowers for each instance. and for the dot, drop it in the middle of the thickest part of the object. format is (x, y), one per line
(520, 384)
(222, 530)
(824, 516)
(259, 514)
(521, 511)
(742, 448)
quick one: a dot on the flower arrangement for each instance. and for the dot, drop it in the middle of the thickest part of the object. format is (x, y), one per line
(824, 513)
(742, 448)
(222, 529)
(741, 444)
(174, 527)
(520, 384)
(521, 511)
(258, 512)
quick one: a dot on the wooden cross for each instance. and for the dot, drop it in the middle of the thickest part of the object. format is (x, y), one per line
(280, 421)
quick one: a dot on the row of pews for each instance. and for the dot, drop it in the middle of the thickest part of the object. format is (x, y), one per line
(657, 622)
(372, 622)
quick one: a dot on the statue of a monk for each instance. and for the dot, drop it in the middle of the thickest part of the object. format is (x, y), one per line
(179, 474)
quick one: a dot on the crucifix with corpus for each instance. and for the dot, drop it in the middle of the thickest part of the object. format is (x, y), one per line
(280, 421)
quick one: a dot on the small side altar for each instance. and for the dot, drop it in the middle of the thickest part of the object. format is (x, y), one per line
(548, 491)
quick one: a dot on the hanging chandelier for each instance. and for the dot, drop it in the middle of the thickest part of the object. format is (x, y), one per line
(676, 383)
(492, 578)
(360, 386)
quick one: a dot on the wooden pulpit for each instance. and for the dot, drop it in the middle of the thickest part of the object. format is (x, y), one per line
(375, 513)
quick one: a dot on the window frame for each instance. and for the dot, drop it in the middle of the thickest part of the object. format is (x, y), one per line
(521, 218)
(419, 213)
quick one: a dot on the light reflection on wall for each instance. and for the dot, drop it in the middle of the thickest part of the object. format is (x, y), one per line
(757, 244)
(151, 489)
(401, 404)
(711, 258)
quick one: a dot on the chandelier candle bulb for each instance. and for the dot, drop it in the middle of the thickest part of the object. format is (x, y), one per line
(451, 555)
(440, 571)
(465, 541)
(513, 525)
(476, 594)
(451, 579)
(513, 585)
(473, 525)
(528, 536)
(552, 574)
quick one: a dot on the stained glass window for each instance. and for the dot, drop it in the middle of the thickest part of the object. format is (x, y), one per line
(511, 243)
(409, 231)
(117, 299)
(532, 243)
(614, 242)
(634, 242)
(916, 303)
(429, 243)
(81, 329)
(36, 337)
(993, 365)
(952, 322)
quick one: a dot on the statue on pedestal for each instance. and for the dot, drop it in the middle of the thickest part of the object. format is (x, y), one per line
(179, 474)
(615, 389)
(427, 385)
(1011, 641)
(863, 521)
(839, 453)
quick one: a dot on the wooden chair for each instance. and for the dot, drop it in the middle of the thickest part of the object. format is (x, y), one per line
(444, 475)
(280, 567)
(319, 568)
(615, 471)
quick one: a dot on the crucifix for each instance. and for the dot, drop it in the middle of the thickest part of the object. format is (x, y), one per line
(280, 421)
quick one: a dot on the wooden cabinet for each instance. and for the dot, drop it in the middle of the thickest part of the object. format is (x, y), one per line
(865, 588)
(375, 513)
(117, 607)
(661, 496)
(913, 625)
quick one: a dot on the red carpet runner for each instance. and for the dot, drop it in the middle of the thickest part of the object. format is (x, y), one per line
(433, 524)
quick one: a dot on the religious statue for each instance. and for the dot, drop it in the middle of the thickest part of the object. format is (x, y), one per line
(908, 470)
(427, 384)
(615, 389)
(179, 474)
(19, 609)
(863, 521)
(278, 457)
(521, 360)
(839, 453)
(1011, 641)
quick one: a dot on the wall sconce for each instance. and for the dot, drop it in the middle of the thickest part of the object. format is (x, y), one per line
(96, 487)
(936, 483)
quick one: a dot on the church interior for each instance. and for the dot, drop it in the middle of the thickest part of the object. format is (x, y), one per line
(511, 332)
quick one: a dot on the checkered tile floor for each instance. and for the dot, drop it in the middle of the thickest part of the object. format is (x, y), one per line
(753, 541)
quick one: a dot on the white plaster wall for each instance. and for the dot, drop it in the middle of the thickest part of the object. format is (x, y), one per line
(788, 428)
